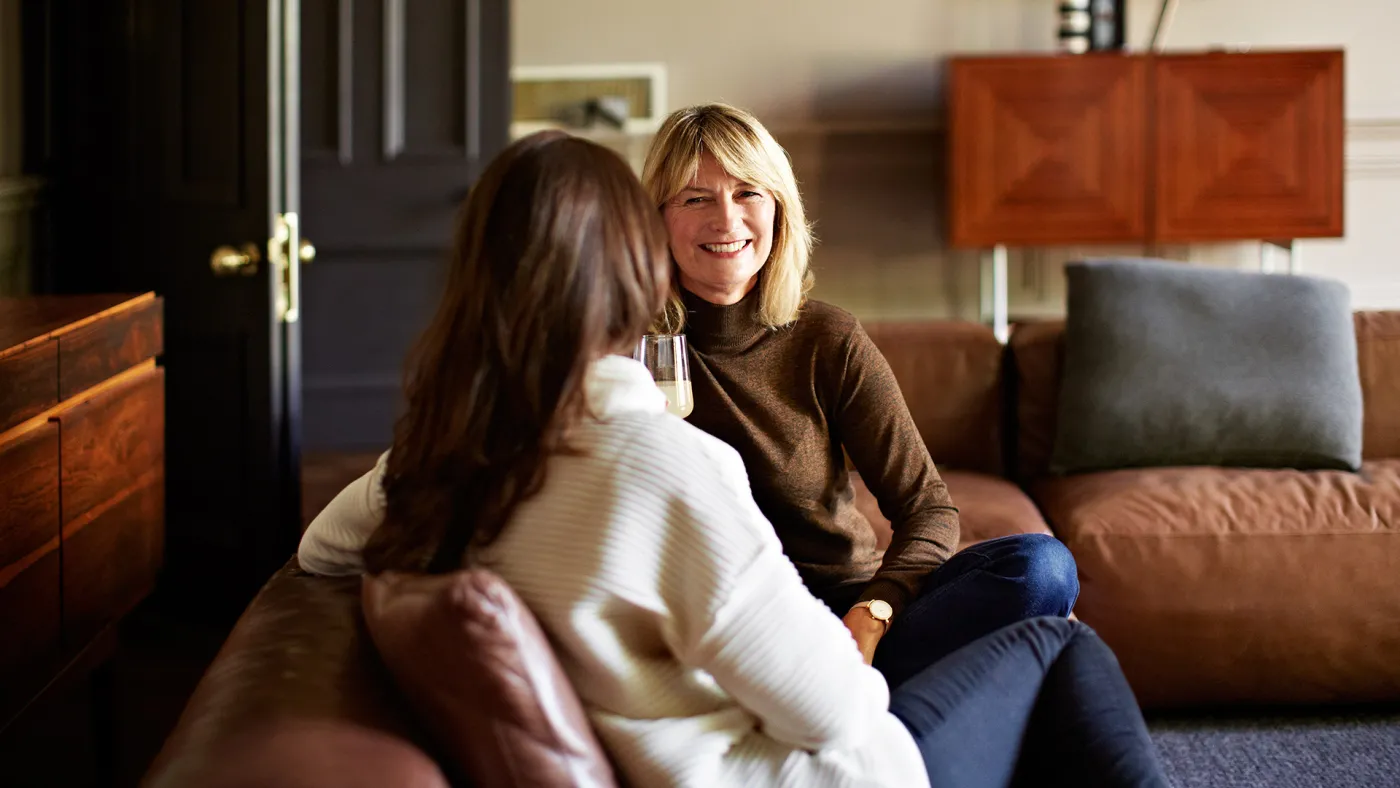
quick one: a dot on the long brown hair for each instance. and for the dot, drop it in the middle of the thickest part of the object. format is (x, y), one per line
(559, 258)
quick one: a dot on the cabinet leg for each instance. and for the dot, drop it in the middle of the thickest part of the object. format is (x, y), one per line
(994, 303)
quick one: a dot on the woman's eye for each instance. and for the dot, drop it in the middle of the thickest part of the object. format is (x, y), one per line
(748, 195)
(694, 200)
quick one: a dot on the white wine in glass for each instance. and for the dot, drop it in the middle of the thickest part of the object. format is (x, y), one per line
(665, 358)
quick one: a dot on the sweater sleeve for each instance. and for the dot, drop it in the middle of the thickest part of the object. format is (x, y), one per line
(884, 444)
(333, 542)
(786, 659)
(770, 644)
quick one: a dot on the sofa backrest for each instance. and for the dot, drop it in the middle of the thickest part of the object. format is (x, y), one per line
(1378, 351)
(950, 373)
(476, 666)
(298, 696)
(1037, 354)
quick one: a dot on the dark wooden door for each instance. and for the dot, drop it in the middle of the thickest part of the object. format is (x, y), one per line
(403, 102)
(171, 120)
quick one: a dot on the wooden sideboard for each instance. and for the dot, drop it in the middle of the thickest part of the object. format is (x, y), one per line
(1130, 148)
(82, 479)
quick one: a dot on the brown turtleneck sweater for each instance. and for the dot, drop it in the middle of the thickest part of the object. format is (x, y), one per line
(788, 400)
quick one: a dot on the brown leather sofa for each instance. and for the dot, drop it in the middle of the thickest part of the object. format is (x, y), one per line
(1212, 585)
(1224, 586)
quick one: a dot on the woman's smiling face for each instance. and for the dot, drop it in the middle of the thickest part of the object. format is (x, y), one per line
(721, 232)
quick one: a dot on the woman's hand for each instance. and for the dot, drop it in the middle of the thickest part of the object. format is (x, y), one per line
(866, 629)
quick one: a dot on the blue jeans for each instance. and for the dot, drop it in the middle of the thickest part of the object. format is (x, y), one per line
(1040, 702)
(979, 590)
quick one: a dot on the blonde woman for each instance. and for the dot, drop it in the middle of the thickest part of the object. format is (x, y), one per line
(794, 385)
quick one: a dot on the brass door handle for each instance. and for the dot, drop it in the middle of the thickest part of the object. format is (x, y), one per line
(231, 261)
(286, 236)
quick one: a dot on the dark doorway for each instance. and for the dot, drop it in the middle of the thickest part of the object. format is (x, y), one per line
(199, 150)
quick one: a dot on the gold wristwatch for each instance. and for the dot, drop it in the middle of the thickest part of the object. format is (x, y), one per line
(879, 610)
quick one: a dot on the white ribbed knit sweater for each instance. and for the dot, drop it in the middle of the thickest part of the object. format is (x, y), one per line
(701, 658)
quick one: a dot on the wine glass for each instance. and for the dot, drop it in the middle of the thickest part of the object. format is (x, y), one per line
(665, 358)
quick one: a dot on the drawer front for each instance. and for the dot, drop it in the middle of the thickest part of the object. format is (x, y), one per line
(29, 564)
(113, 477)
(92, 353)
(30, 617)
(28, 383)
(111, 562)
(112, 443)
(29, 513)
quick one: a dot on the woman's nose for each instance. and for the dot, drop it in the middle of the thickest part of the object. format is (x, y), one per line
(726, 216)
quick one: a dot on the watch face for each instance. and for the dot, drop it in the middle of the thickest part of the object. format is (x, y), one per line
(881, 609)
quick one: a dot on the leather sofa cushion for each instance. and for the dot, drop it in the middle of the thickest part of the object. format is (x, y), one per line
(474, 663)
(988, 507)
(950, 373)
(300, 663)
(1235, 585)
(320, 754)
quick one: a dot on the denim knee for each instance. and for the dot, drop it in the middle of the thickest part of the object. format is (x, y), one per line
(1050, 577)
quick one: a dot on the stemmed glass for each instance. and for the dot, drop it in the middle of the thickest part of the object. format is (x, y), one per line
(665, 358)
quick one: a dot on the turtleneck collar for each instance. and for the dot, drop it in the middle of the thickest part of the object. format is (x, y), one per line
(711, 328)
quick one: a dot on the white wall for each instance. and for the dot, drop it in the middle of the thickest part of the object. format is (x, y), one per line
(1368, 29)
(853, 90)
(1368, 257)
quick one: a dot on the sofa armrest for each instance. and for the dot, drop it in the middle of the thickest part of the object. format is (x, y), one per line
(297, 696)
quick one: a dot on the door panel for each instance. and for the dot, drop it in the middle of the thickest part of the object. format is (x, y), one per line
(431, 101)
(394, 136)
(199, 48)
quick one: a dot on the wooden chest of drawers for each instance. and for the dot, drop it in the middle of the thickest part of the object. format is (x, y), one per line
(82, 478)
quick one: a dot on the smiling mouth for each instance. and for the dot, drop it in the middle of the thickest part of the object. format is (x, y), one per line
(729, 248)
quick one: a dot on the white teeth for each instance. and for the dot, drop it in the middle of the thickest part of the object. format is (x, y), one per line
(724, 248)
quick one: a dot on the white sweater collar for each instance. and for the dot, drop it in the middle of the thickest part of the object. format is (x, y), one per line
(619, 384)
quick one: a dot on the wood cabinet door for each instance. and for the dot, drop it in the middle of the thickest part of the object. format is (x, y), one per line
(1047, 150)
(1248, 145)
(113, 480)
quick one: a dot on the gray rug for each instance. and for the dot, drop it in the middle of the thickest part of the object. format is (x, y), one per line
(1307, 749)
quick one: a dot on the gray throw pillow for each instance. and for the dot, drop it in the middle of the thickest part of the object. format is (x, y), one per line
(1171, 364)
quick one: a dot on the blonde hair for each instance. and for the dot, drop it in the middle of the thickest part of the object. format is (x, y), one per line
(745, 149)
